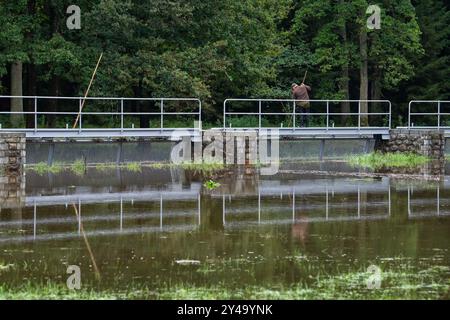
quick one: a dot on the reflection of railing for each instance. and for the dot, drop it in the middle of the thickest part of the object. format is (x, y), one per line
(326, 208)
(121, 217)
(294, 114)
(338, 201)
(433, 207)
(119, 129)
(438, 114)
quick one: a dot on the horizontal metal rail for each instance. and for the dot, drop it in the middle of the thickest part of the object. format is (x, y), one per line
(81, 130)
(438, 114)
(327, 114)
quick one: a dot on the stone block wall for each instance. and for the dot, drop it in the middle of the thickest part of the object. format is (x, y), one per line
(429, 143)
(12, 190)
(12, 151)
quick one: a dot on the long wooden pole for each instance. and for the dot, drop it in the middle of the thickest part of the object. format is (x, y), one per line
(87, 91)
(304, 78)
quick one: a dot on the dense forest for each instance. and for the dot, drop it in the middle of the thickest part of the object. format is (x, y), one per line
(218, 49)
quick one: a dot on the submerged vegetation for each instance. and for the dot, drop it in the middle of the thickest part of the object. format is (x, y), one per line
(377, 160)
(79, 167)
(42, 168)
(400, 283)
(133, 166)
(203, 167)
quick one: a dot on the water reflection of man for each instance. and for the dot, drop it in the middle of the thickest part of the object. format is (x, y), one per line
(300, 231)
(300, 227)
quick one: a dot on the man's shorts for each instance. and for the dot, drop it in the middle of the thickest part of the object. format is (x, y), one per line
(303, 104)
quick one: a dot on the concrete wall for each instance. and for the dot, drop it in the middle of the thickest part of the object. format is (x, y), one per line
(159, 151)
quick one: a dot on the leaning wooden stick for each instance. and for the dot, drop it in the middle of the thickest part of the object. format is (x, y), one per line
(304, 78)
(87, 91)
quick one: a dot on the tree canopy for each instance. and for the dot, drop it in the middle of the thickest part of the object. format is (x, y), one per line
(219, 49)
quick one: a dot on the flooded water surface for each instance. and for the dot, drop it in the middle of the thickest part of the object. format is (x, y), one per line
(160, 233)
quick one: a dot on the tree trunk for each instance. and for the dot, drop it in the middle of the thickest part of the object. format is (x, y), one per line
(16, 90)
(375, 91)
(375, 94)
(344, 83)
(31, 91)
(364, 81)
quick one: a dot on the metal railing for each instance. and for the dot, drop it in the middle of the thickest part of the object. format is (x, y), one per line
(327, 114)
(438, 114)
(36, 112)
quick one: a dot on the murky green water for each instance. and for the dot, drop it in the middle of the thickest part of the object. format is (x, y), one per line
(288, 236)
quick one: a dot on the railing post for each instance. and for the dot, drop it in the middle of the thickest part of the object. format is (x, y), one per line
(390, 115)
(81, 116)
(359, 115)
(199, 115)
(162, 116)
(259, 115)
(293, 116)
(35, 115)
(224, 114)
(409, 115)
(121, 115)
(439, 114)
(328, 114)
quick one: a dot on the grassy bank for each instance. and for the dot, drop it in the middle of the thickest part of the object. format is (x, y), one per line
(377, 160)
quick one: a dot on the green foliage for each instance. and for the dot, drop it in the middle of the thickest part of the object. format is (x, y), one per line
(42, 168)
(378, 160)
(211, 185)
(79, 167)
(432, 69)
(133, 166)
(223, 48)
(202, 167)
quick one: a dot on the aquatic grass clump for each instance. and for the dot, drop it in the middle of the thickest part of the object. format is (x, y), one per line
(43, 168)
(105, 166)
(377, 160)
(78, 167)
(158, 165)
(203, 167)
(133, 166)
